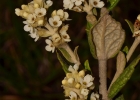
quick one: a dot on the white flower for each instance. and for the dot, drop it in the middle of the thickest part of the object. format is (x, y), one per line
(34, 34)
(33, 31)
(84, 92)
(50, 46)
(40, 12)
(55, 21)
(87, 81)
(31, 18)
(73, 95)
(74, 68)
(78, 2)
(94, 96)
(68, 4)
(96, 3)
(27, 27)
(49, 3)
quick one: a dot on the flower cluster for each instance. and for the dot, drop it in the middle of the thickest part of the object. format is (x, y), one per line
(137, 27)
(77, 85)
(82, 5)
(59, 31)
(38, 26)
(34, 14)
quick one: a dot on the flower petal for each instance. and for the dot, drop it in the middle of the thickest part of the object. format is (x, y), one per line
(27, 28)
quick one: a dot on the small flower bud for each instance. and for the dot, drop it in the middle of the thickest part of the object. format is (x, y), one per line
(68, 75)
(81, 73)
(77, 86)
(40, 22)
(25, 14)
(36, 5)
(64, 82)
(53, 13)
(138, 17)
(70, 80)
(23, 6)
(17, 11)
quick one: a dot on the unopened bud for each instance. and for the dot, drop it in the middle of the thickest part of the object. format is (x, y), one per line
(23, 6)
(54, 13)
(77, 86)
(68, 75)
(64, 82)
(40, 22)
(81, 73)
(70, 80)
(17, 11)
(138, 17)
(36, 5)
(25, 14)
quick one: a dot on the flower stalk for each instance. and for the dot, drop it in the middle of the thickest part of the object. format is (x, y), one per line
(133, 47)
(103, 78)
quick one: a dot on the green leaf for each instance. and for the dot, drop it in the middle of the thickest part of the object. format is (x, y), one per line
(65, 54)
(91, 44)
(130, 25)
(113, 3)
(87, 67)
(123, 78)
(63, 63)
(120, 98)
(125, 49)
(94, 11)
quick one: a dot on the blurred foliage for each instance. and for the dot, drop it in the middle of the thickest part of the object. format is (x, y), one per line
(28, 72)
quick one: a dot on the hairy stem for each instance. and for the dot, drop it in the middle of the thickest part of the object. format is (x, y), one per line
(133, 47)
(103, 79)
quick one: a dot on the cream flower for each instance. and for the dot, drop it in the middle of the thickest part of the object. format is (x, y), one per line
(78, 2)
(49, 3)
(87, 81)
(34, 34)
(27, 27)
(96, 3)
(73, 95)
(40, 12)
(74, 68)
(84, 92)
(56, 38)
(50, 46)
(68, 4)
(55, 21)
(31, 18)
(65, 37)
(94, 96)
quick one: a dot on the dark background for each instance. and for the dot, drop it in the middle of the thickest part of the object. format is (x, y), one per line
(29, 72)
